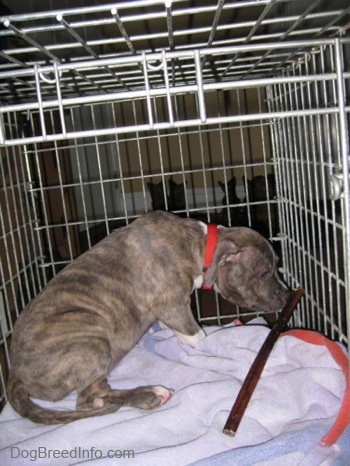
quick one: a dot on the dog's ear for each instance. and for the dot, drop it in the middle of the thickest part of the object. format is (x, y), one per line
(225, 254)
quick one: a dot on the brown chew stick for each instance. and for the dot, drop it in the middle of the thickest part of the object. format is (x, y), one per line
(258, 365)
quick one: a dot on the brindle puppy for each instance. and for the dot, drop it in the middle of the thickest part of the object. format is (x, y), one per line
(95, 310)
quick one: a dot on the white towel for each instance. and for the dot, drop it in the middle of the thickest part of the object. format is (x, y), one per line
(301, 386)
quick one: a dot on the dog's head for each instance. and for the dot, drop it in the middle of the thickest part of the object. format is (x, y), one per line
(243, 270)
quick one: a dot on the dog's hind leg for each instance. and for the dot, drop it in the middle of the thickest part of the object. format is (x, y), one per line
(99, 395)
(95, 394)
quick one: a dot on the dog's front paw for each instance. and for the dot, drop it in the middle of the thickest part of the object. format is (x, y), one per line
(150, 397)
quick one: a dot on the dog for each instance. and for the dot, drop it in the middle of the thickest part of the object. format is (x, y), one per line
(96, 309)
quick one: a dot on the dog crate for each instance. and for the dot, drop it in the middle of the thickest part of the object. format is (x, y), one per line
(234, 112)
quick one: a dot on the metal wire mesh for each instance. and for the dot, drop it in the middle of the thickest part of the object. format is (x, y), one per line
(234, 113)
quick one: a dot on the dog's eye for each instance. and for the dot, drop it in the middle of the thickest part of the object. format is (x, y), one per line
(263, 274)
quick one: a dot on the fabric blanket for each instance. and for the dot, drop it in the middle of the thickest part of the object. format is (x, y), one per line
(295, 403)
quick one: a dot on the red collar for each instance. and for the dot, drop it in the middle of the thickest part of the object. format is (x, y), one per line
(212, 234)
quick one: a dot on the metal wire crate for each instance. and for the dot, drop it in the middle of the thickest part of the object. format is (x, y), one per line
(236, 112)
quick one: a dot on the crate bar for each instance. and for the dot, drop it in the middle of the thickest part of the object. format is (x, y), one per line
(254, 28)
(142, 175)
(80, 185)
(326, 149)
(199, 79)
(30, 196)
(270, 213)
(186, 74)
(244, 159)
(177, 124)
(59, 97)
(9, 241)
(167, 89)
(338, 154)
(117, 96)
(321, 191)
(10, 281)
(124, 60)
(184, 131)
(207, 30)
(31, 41)
(165, 172)
(286, 34)
(223, 162)
(214, 26)
(26, 213)
(234, 42)
(161, 159)
(60, 185)
(137, 17)
(316, 240)
(40, 102)
(76, 36)
(340, 15)
(44, 218)
(148, 96)
(100, 182)
(158, 87)
(18, 224)
(345, 151)
(84, 44)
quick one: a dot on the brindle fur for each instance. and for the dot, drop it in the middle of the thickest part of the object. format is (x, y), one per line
(95, 310)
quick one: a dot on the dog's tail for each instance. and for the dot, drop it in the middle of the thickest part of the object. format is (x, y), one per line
(19, 398)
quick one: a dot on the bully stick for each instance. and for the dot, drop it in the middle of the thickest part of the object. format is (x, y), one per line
(257, 367)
